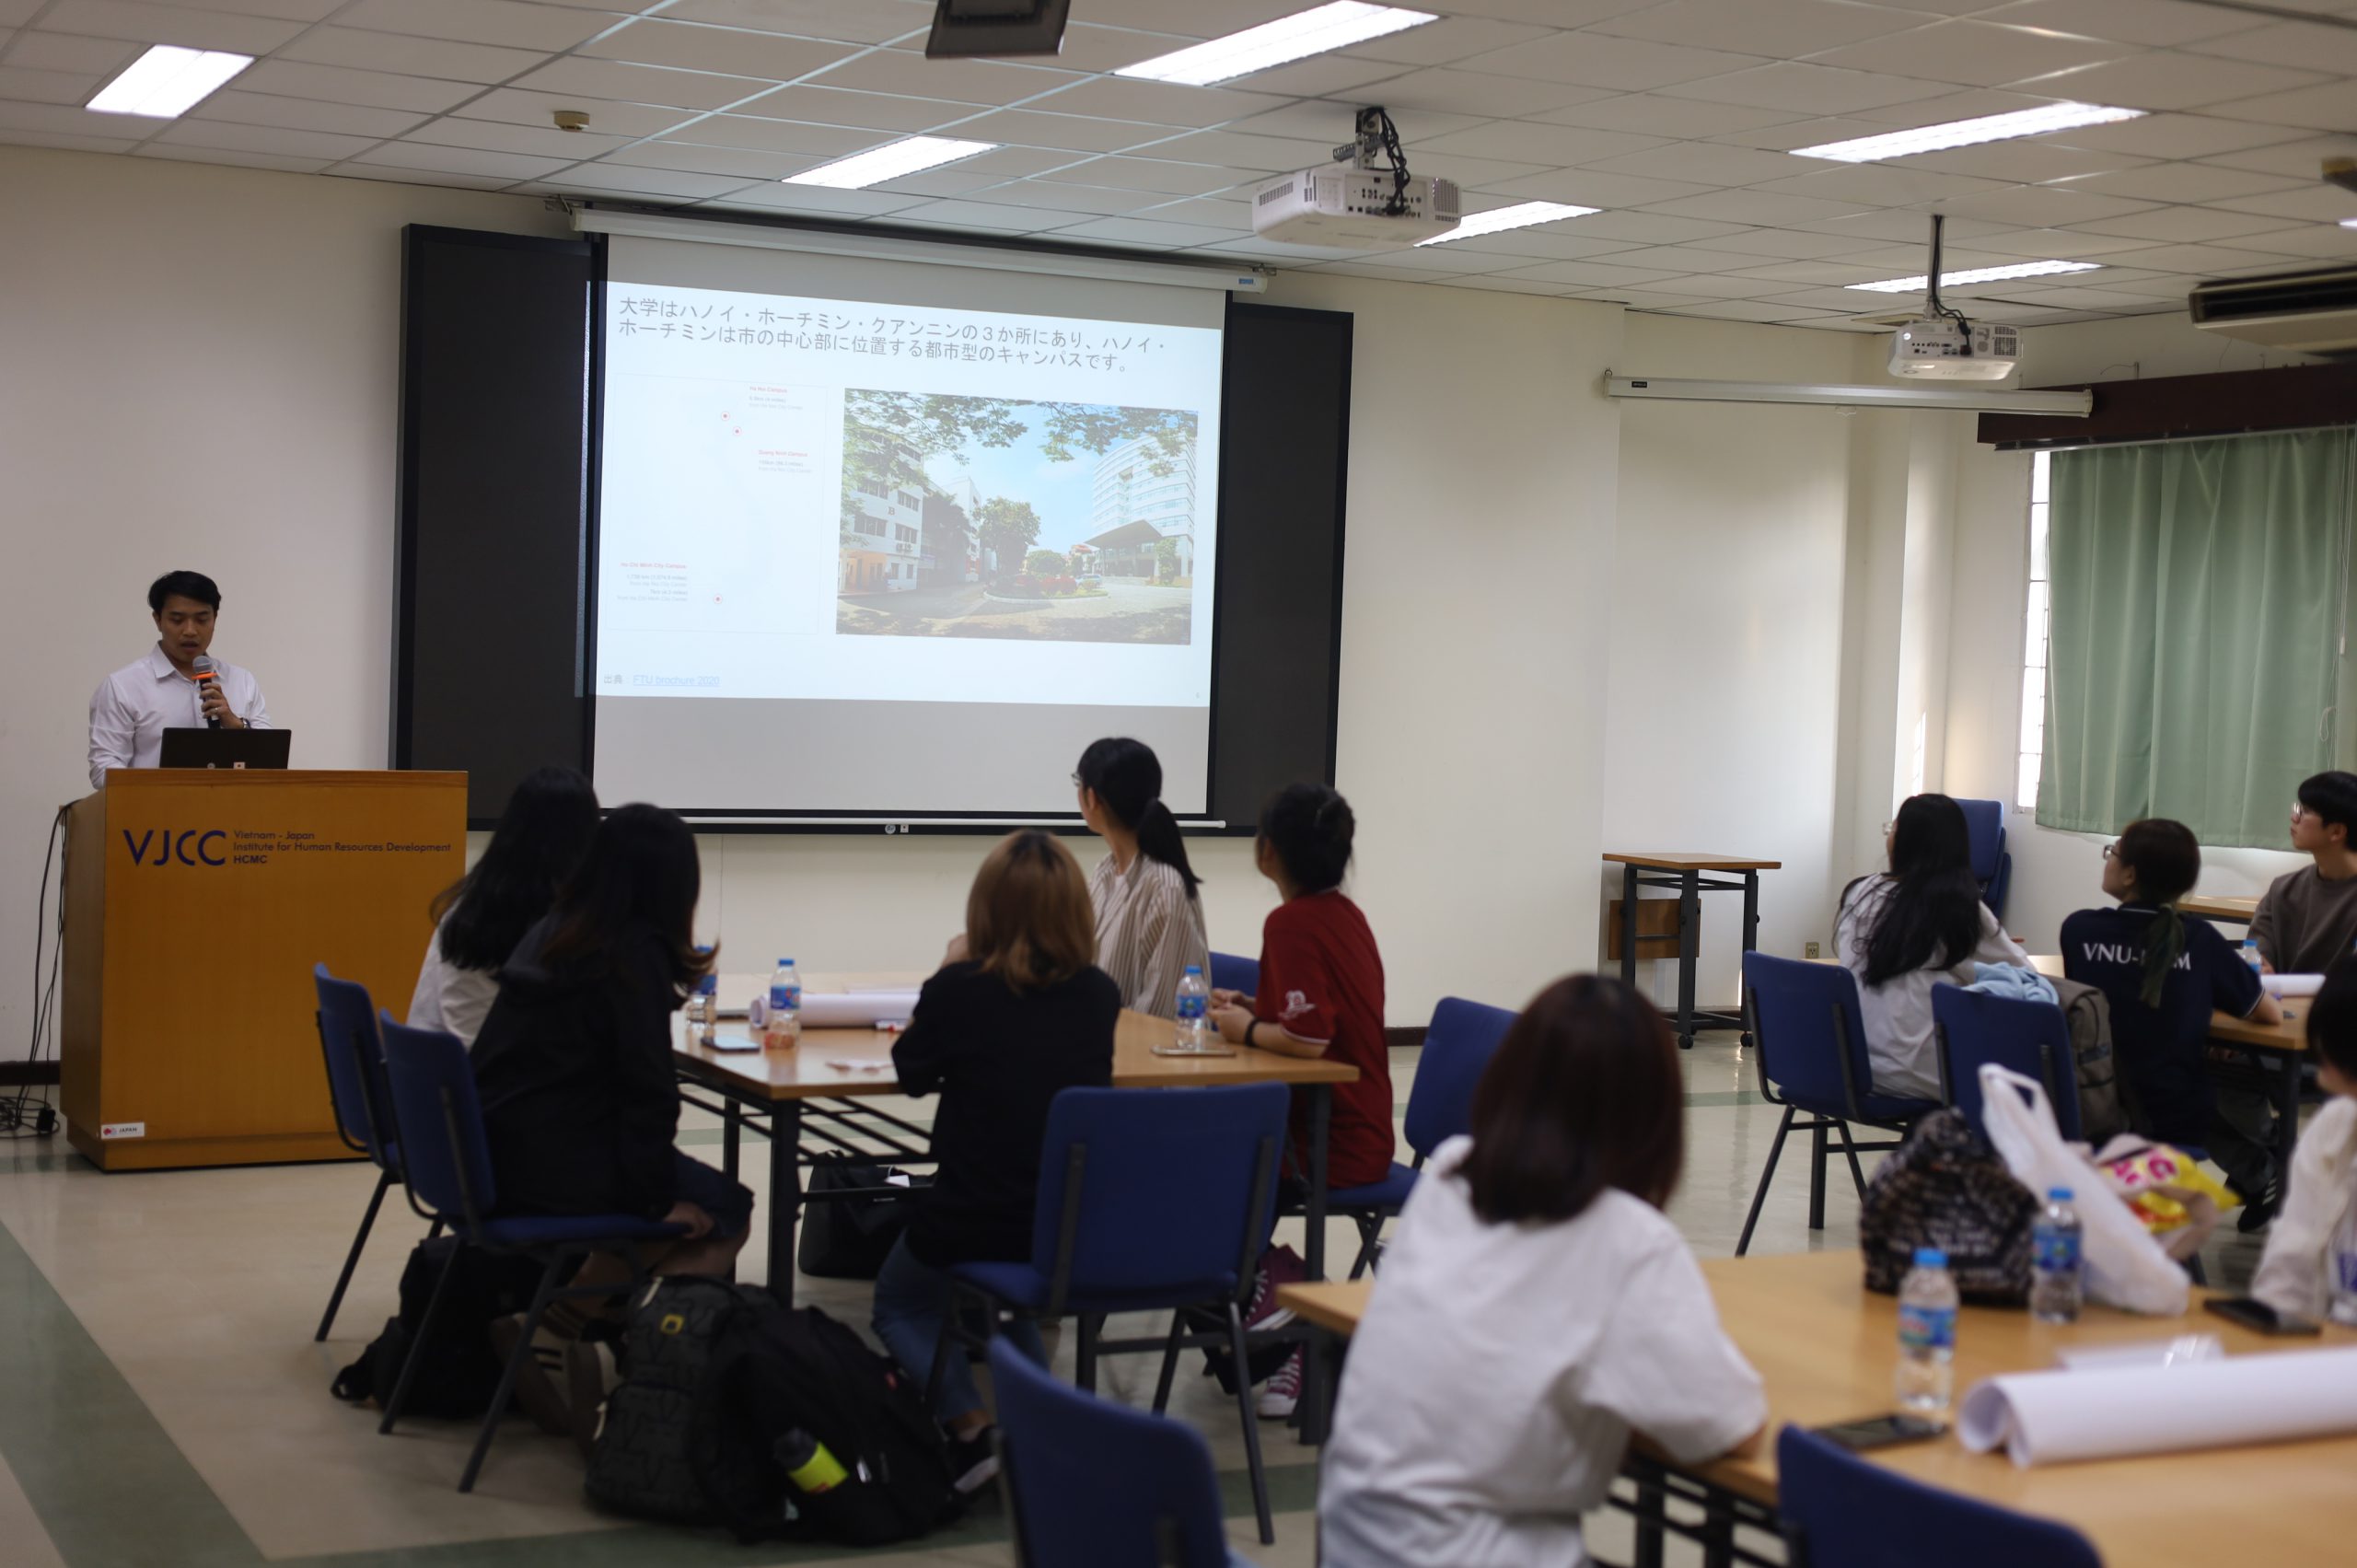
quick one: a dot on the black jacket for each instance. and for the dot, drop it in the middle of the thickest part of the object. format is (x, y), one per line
(574, 1068)
(997, 1059)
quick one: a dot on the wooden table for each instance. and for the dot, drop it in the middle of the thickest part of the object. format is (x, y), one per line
(1826, 1348)
(2274, 1051)
(790, 1094)
(2234, 911)
(1683, 870)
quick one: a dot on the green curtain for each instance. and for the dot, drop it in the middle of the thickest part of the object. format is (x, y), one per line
(2196, 592)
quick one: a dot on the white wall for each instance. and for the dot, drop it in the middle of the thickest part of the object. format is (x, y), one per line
(197, 368)
(1723, 731)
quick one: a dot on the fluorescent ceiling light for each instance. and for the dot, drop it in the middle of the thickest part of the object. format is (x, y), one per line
(1969, 133)
(1498, 219)
(166, 82)
(1979, 275)
(1338, 26)
(896, 160)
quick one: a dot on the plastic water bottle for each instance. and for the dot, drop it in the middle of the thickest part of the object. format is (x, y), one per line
(1927, 1302)
(1194, 1010)
(2252, 956)
(808, 1463)
(785, 1006)
(704, 1010)
(2055, 1255)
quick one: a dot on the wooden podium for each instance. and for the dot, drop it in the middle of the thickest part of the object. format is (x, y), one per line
(196, 902)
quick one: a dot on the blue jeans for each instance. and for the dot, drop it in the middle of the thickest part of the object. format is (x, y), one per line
(912, 1304)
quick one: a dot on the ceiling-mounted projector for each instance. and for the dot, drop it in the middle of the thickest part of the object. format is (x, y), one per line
(1352, 204)
(1941, 346)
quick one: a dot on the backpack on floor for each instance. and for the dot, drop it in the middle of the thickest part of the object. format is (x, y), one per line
(1947, 1188)
(723, 1383)
(2105, 1110)
(458, 1370)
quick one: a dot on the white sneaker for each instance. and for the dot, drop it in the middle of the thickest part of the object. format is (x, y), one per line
(1281, 1392)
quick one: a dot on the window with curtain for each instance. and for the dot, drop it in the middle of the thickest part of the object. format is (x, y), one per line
(2195, 594)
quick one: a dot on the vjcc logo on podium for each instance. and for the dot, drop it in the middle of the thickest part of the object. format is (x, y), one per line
(192, 847)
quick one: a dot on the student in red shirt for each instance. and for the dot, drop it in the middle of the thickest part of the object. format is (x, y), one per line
(1320, 995)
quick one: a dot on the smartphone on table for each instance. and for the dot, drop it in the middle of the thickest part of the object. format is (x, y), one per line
(1880, 1432)
(2255, 1314)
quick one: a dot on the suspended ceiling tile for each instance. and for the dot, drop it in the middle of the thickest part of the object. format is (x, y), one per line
(1713, 285)
(1321, 76)
(1705, 163)
(2305, 46)
(626, 83)
(2198, 224)
(1769, 28)
(334, 84)
(412, 56)
(2175, 137)
(183, 26)
(1597, 60)
(849, 21)
(1685, 259)
(2297, 159)
(66, 52)
(2023, 163)
(1756, 207)
(263, 139)
(408, 153)
(49, 87)
(279, 162)
(2189, 183)
(507, 22)
(2041, 206)
(2166, 80)
(683, 157)
(2328, 106)
(1270, 154)
(1600, 187)
(2058, 244)
(1145, 174)
(540, 141)
(631, 180)
(2150, 22)
(1974, 53)
(1527, 142)
(976, 214)
(1879, 185)
(1802, 89)
(1789, 243)
(306, 114)
(1067, 196)
(1075, 132)
(2317, 202)
(1165, 103)
(987, 82)
(1446, 41)
(691, 46)
(1657, 229)
(1653, 116)
(1453, 90)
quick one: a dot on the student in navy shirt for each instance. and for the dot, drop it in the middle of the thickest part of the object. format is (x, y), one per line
(2163, 975)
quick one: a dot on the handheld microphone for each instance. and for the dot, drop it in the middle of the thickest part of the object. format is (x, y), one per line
(205, 676)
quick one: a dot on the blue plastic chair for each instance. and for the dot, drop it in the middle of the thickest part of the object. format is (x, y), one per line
(1230, 972)
(1149, 1200)
(1992, 866)
(1458, 1044)
(363, 1109)
(1813, 1060)
(2029, 1038)
(1094, 1484)
(446, 1160)
(1841, 1511)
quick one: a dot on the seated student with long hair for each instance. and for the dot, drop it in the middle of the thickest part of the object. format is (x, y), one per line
(1536, 1307)
(2310, 1269)
(1901, 932)
(1149, 919)
(479, 918)
(573, 1063)
(2162, 974)
(1320, 995)
(1019, 1014)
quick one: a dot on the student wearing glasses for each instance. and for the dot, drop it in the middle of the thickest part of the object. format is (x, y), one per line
(2162, 974)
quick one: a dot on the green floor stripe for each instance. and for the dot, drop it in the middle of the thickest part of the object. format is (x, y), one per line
(105, 1479)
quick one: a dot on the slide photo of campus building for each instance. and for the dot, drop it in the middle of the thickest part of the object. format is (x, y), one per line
(998, 517)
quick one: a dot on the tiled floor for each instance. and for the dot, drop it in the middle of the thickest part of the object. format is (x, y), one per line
(162, 1402)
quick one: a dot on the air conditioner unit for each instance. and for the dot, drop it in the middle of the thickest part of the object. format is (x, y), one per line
(2304, 312)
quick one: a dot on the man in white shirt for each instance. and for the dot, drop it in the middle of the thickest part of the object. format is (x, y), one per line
(132, 707)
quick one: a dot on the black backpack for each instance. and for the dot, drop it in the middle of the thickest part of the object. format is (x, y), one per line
(1947, 1188)
(458, 1371)
(719, 1375)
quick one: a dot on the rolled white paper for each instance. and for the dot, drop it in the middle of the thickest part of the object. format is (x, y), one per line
(2290, 984)
(2047, 1418)
(856, 1009)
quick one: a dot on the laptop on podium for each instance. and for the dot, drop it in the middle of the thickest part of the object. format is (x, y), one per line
(210, 748)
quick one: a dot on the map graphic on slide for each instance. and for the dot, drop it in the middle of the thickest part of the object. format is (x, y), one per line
(995, 518)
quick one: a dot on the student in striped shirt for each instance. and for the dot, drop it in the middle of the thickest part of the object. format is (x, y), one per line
(1149, 920)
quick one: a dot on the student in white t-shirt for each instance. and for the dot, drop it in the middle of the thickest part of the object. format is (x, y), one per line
(1536, 1307)
(1901, 932)
(2310, 1267)
(540, 840)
